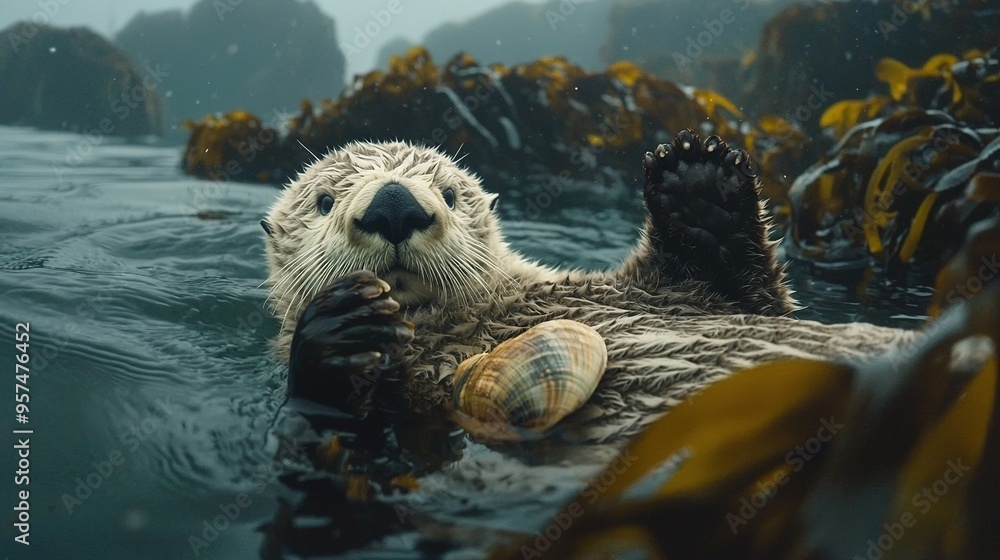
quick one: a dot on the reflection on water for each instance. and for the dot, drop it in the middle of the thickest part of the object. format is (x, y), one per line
(153, 393)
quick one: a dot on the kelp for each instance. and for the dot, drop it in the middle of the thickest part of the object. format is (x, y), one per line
(234, 146)
(965, 88)
(897, 187)
(892, 458)
(782, 150)
(548, 116)
(811, 55)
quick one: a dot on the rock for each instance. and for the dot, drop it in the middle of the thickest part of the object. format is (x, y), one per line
(811, 55)
(519, 32)
(73, 79)
(705, 43)
(264, 55)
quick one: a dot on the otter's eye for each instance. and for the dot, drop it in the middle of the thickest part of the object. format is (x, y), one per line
(325, 204)
(449, 198)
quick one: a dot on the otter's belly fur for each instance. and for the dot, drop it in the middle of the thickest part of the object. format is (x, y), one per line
(663, 344)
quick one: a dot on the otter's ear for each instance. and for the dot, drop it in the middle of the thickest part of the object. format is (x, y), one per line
(493, 202)
(267, 227)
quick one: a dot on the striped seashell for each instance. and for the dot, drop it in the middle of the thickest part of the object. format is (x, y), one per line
(530, 382)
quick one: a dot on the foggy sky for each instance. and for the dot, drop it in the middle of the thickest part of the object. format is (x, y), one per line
(413, 22)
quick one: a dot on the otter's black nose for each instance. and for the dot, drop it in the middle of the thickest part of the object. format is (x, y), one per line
(394, 214)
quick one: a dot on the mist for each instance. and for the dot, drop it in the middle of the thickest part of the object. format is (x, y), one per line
(415, 19)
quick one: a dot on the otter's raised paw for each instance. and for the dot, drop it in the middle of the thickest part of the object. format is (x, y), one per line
(706, 219)
(343, 342)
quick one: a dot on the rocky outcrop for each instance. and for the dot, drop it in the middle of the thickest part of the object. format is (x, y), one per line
(264, 55)
(520, 32)
(73, 79)
(546, 118)
(705, 43)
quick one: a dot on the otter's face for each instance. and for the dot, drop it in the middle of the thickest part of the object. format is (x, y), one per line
(409, 214)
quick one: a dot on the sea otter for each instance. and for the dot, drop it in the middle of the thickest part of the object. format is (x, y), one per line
(388, 267)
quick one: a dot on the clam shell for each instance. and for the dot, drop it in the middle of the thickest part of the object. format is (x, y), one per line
(531, 381)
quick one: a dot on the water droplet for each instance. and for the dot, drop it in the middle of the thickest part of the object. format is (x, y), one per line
(135, 519)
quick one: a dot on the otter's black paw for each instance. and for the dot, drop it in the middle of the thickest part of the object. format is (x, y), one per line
(342, 346)
(703, 202)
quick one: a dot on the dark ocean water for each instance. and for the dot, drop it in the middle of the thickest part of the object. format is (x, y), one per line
(153, 397)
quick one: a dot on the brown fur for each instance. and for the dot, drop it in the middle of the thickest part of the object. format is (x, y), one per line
(666, 338)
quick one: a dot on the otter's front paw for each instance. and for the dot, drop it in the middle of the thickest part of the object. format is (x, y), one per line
(706, 219)
(702, 200)
(343, 342)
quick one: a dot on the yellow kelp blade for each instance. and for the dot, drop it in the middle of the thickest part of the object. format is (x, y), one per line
(626, 72)
(739, 428)
(934, 486)
(917, 228)
(911, 444)
(982, 540)
(975, 267)
(737, 438)
(887, 182)
(896, 74)
(985, 187)
(614, 544)
(712, 101)
(843, 115)
(939, 64)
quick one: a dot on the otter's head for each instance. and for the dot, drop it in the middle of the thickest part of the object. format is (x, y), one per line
(407, 213)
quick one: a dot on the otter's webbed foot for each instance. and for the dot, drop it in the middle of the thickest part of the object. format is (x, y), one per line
(342, 348)
(706, 219)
